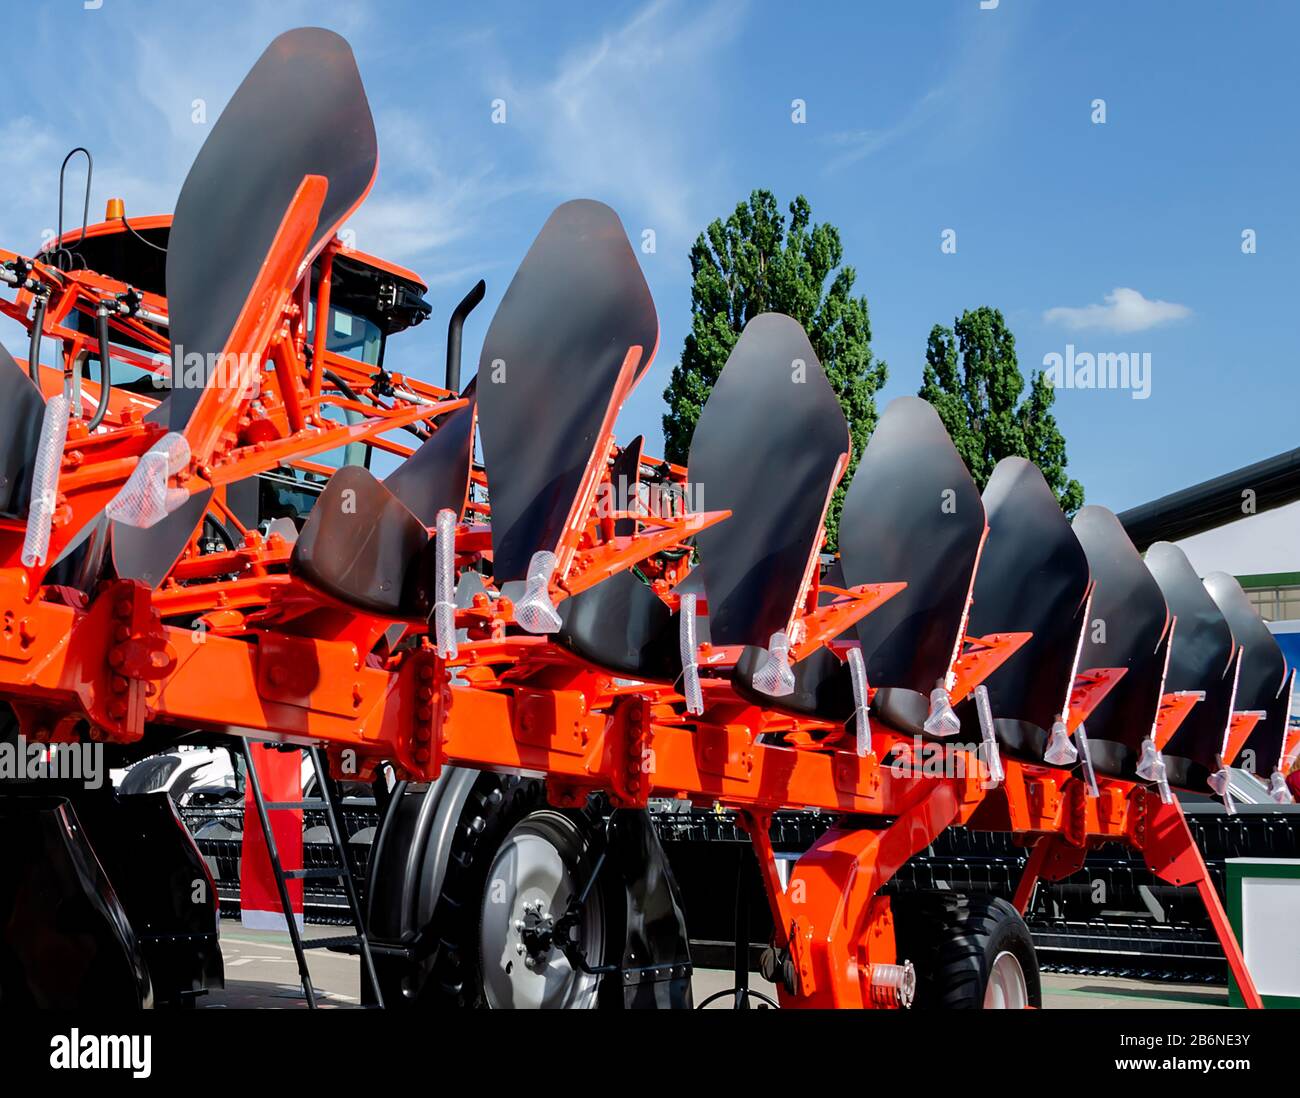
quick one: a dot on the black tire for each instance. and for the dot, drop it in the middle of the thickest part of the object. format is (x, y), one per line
(954, 942)
(498, 807)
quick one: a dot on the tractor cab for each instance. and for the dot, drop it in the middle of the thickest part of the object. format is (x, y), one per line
(368, 299)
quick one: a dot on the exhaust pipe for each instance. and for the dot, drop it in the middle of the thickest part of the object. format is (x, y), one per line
(454, 327)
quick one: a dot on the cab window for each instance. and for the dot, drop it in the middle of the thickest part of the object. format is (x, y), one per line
(349, 335)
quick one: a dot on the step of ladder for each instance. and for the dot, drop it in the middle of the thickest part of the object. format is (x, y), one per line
(328, 804)
(314, 873)
(332, 943)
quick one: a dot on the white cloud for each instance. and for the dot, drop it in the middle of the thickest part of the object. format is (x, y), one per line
(858, 144)
(1125, 310)
(425, 198)
(609, 122)
(31, 153)
(965, 106)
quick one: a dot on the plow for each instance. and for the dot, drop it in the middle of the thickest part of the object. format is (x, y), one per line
(534, 628)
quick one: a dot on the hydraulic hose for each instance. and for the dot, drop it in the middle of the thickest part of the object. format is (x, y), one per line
(34, 352)
(105, 375)
(347, 390)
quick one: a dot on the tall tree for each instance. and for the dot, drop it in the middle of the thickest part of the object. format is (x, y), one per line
(754, 262)
(973, 379)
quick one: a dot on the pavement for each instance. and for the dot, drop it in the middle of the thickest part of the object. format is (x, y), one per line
(261, 972)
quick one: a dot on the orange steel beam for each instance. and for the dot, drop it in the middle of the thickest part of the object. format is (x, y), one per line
(1088, 690)
(1160, 831)
(836, 882)
(1240, 727)
(321, 334)
(1174, 708)
(116, 665)
(261, 315)
(850, 605)
(576, 523)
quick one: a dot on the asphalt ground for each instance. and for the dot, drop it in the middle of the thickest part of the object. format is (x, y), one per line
(261, 972)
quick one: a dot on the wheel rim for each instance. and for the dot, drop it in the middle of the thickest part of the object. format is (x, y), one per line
(1007, 988)
(528, 888)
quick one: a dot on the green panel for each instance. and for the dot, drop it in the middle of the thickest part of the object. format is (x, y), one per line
(1270, 579)
(1235, 873)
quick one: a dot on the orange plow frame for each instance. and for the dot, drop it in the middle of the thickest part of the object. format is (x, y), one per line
(110, 661)
(115, 665)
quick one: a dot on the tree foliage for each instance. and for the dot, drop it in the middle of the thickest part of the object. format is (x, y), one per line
(754, 262)
(973, 379)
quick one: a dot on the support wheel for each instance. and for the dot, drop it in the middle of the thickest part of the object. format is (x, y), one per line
(543, 862)
(970, 952)
(512, 866)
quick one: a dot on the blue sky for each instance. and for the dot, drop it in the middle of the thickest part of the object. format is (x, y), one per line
(921, 117)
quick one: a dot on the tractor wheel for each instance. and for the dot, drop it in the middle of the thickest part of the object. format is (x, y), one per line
(970, 952)
(513, 864)
(545, 859)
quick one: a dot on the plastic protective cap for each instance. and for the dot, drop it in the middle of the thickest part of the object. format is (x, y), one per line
(774, 676)
(1277, 789)
(146, 498)
(444, 606)
(1218, 781)
(942, 721)
(534, 611)
(1059, 750)
(45, 481)
(690, 663)
(1151, 767)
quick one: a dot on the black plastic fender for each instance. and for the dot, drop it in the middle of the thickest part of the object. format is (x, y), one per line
(656, 949)
(409, 860)
(165, 887)
(65, 939)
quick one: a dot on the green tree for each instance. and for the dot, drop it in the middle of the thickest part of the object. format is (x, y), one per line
(973, 379)
(754, 262)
